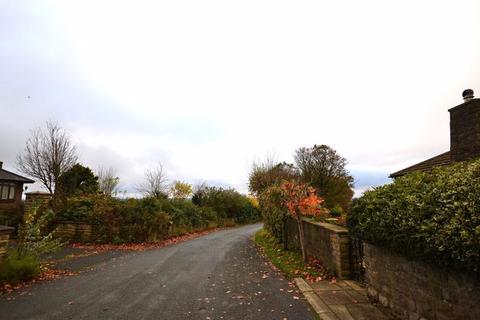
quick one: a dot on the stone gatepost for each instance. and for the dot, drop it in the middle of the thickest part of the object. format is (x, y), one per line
(4, 236)
(36, 197)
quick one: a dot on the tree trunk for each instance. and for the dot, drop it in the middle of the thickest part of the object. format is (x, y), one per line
(301, 238)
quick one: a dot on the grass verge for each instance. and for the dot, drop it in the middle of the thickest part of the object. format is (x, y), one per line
(290, 263)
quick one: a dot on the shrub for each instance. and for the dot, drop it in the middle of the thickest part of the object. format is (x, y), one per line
(427, 216)
(34, 239)
(78, 208)
(336, 211)
(227, 203)
(12, 218)
(16, 268)
(154, 218)
(184, 213)
(22, 263)
(272, 209)
(132, 220)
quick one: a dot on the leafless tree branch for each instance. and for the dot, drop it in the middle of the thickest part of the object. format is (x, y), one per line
(48, 153)
(155, 183)
(108, 181)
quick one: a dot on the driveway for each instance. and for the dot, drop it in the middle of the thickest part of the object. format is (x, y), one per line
(218, 276)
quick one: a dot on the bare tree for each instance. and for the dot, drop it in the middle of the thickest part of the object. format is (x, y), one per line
(155, 183)
(108, 181)
(269, 172)
(48, 153)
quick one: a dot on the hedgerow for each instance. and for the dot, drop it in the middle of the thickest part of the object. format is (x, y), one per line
(433, 217)
(151, 219)
(273, 211)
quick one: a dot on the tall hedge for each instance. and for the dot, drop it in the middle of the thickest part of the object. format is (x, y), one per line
(433, 217)
(273, 211)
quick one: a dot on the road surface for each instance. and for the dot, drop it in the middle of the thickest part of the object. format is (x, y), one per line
(218, 276)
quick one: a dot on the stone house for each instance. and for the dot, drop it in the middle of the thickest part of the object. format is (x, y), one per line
(464, 137)
(11, 189)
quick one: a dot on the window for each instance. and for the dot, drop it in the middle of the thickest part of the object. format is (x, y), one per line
(7, 191)
(11, 194)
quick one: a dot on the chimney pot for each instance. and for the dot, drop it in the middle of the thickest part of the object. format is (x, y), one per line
(1, 164)
(467, 95)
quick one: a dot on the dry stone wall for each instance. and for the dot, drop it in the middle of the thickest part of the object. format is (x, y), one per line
(327, 242)
(414, 290)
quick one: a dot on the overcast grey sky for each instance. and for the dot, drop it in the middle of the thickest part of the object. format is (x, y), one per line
(205, 87)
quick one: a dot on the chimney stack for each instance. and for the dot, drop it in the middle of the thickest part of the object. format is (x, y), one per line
(467, 95)
(465, 128)
(1, 164)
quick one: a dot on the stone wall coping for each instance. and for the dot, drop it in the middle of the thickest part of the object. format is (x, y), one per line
(328, 226)
(38, 193)
(73, 222)
(6, 230)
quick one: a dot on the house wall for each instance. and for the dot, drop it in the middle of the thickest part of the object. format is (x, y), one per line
(329, 243)
(415, 290)
(16, 203)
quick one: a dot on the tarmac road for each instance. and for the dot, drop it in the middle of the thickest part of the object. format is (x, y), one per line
(217, 276)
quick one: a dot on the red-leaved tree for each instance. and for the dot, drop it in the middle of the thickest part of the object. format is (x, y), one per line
(301, 200)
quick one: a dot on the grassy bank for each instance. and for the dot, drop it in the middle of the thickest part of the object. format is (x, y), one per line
(288, 262)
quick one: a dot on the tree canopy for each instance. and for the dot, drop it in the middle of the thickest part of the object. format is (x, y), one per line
(181, 190)
(78, 180)
(268, 173)
(325, 170)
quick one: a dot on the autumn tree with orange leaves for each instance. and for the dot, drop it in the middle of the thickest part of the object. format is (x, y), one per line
(301, 200)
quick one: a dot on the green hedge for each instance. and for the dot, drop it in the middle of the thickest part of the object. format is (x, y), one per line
(228, 204)
(273, 211)
(433, 217)
(151, 219)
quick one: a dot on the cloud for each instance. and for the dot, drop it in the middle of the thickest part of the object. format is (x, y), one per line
(205, 87)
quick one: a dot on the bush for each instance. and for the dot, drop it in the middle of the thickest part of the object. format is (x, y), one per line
(132, 220)
(273, 211)
(336, 211)
(78, 208)
(228, 204)
(34, 238)
(12, 218)
(185, 214)
(151, 219)
(427, 216)
(16, 268)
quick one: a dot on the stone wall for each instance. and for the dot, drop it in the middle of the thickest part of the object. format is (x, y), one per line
(4, 236)
(35, 197)
(327, 242)
(73, 231)
(414, 290)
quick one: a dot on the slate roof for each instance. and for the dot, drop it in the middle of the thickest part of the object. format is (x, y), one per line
(10, 176)
(427, 165)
